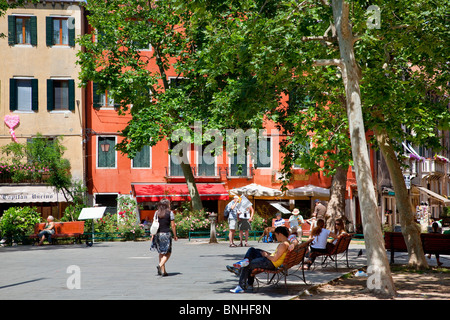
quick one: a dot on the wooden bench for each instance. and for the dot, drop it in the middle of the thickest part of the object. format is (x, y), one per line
(63, 230)
(293, 258)
(341, 247)
(432, 243)
(435, 243)
(306, 229)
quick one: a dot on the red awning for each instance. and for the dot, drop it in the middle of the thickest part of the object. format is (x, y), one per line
(178, 192)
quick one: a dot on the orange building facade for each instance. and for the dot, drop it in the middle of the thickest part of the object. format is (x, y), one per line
(153, 175)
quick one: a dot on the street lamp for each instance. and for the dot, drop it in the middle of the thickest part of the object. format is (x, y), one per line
(104, 147)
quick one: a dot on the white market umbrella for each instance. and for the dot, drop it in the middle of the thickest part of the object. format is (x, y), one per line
(309, 191)
(256, 190)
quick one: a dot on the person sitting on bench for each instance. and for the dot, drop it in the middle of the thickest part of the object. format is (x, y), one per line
(257, 258)
(48, 230)
(319, 235)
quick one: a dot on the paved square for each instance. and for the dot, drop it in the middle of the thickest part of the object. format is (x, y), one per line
(127, 270)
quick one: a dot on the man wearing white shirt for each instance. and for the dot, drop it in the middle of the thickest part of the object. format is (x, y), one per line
(245, 218)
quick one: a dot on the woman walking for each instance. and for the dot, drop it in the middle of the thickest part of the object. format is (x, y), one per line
(162, 240)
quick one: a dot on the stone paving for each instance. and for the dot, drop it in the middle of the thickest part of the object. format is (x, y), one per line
(127, 271)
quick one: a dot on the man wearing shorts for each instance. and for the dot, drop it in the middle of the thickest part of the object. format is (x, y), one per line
(244, 223)
(232, 219)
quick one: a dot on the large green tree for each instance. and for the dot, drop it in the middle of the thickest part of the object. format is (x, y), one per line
(161, 107)
(277, 43)
(263, 36)
(405, 75)
(243, 56)
(164, 108)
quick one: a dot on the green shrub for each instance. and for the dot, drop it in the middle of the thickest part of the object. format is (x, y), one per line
(18, 222)
(189, 220)
(128, 226)
(106, 225)
(258, 222)
(124, 225)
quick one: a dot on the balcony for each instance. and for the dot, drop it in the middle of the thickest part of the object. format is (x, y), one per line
(433, 169)
(411, 167)
(20, 174)
(176, 175)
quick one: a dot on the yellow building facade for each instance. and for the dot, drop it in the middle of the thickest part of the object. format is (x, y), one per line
(39, 91)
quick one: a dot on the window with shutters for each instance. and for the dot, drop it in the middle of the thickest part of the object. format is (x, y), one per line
(176, 157)
(142, 158)
(239, 166)
(106, 153)
(22, 30)
(60, 31)
(23, 95)
(206, 162)
(60, 94)
(101, 98)
(263, 155)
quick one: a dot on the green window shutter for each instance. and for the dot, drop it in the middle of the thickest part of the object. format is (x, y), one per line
(12, 94)
(33, 30)
(72, 95)
(263, 153)
(71, 26)
(34, 95)
(106, 159)
(49, 31)
(206, 168)
(96, 103)
(142, 158)
(11, 30)
(50, 102)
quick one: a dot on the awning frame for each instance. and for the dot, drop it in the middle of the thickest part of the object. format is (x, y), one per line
(434, 195)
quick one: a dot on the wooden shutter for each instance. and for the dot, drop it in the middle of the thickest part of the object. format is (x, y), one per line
(11, 30)
(106, 159)
(50, 102)
(34, 95)
(142, 158)
(33, 30)
(49, 31)
(96, 103)
(12, 94)
(71, 26)
(71, 94)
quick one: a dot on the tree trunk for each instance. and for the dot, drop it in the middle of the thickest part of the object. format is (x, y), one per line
(192, 187)
(336, 205)
(376, 254)
(196, 202)
(410, 229)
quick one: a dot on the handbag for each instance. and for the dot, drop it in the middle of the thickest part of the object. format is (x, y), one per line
(155, 225)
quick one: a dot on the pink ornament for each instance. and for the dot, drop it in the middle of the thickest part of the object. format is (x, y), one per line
(12, 121)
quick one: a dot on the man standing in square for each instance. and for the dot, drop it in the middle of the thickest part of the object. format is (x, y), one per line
(231, 209)
(320, 210)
